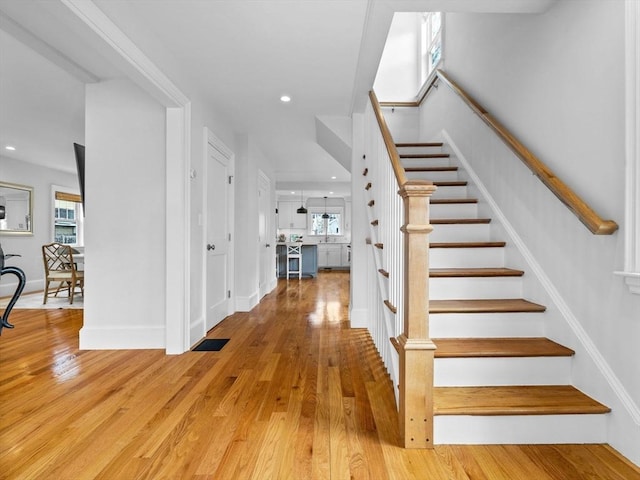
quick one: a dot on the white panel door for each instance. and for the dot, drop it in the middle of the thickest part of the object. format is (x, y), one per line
(217, 303)
(265, 250)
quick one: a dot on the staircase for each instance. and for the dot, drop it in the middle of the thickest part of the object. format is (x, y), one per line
(497, 379)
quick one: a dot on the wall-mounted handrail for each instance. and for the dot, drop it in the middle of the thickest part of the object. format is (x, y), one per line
(565, 194)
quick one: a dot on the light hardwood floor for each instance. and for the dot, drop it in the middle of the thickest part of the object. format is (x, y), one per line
(295, 394)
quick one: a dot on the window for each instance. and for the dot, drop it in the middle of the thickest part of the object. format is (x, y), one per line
(326, 226)
(430, 43)
(67, 222)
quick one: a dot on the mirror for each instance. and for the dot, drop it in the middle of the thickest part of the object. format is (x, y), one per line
(16, 209)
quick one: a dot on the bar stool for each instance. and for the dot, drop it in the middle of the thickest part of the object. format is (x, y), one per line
(294, 253)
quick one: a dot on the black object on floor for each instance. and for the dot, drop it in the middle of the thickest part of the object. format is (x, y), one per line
(211, 345)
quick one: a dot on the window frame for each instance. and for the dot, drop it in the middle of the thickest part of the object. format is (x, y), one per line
(331, 210)
(78, 222)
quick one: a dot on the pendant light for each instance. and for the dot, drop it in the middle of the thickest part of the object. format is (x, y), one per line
(325, 214)
(301, 210)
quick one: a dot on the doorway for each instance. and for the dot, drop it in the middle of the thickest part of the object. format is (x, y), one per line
(218, 236)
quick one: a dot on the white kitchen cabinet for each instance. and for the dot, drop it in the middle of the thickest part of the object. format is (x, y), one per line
(289, 218)
(333, 255)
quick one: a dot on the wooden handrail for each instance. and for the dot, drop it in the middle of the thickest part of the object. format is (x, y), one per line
(565, 194)
(398, 170)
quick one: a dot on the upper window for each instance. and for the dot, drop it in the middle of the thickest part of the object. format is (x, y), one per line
(430, 43)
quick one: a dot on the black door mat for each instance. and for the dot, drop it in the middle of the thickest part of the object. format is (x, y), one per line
(211, 345)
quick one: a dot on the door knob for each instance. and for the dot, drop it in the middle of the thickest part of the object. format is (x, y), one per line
(211, 246)
(268, 245)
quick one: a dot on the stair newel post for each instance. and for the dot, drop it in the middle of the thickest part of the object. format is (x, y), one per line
(415, 347)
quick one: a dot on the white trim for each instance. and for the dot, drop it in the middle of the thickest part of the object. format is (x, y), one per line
(631, 273)
(177, 254)
(104, 338)
(178, 230)
(359, 318)
(556, 298)
(247, 303)
(141, 67)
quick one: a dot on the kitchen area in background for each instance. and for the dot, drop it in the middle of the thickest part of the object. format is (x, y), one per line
(321, 224)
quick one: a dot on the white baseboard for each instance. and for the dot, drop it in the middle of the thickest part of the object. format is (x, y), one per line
(245, 304)
(122, 338)
(359, 318)
(7, 289)
(196, 330)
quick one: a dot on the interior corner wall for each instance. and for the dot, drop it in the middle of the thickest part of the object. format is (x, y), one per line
(358, 309)
(29, 246)
(556, 80)
(125, 220)
(249, 159)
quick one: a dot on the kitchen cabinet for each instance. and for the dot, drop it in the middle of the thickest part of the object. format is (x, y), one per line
(333, 255)
(289, 218)
(309, 260)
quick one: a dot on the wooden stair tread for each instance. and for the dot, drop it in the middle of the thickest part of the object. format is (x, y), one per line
(450, 184)
(418, 144)
(424, 155)
(484, 306)
(430, 169)
(499, 347)
(459, 221)
(474, 272)
(514, 400)
(447, 201)
(467, 244)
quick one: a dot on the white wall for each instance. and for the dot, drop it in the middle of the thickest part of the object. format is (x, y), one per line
(29, 246)
(250, 159)
(557, 81)
(398, 76)
(125, 218)
(359, 314)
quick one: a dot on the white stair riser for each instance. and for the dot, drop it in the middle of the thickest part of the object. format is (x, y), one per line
(433, 176)
(479, 371)
(475, 287)
(453, 210)
(466, 257)
(480, 325)
(450, 192)
(456, 232)
(427, 162)
(419, 150)
(519, 429)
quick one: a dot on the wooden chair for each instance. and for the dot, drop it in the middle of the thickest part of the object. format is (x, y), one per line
(60, 267)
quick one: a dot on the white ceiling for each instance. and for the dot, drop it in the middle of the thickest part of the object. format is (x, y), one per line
(241, 55)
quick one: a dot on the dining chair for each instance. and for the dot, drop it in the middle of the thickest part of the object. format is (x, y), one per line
(60, 267)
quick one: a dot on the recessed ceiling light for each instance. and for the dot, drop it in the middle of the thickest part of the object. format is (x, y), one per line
(285, 98)
(330, 193)
(333, 178)
(10, 147)
(293, 193)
